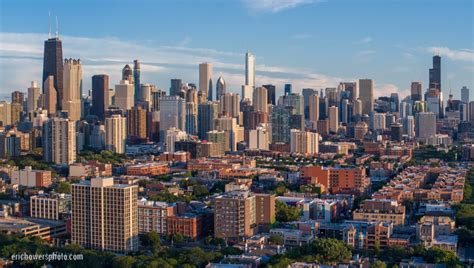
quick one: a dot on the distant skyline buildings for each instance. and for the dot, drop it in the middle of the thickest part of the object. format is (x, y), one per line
(250, 69)
(53, 66)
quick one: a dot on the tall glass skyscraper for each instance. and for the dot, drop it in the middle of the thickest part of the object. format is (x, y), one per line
(53, 65)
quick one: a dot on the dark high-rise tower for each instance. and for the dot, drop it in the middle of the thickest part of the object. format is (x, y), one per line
(176, 85)
(136, 77)
(53, 65)
(271, 93)
(100, 87)
(435, 73)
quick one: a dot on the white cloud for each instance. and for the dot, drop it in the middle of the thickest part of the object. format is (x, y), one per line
(387, 89)
(186, 41)
(408, 56)
(274, 6)
(460, 55)
(365, 40)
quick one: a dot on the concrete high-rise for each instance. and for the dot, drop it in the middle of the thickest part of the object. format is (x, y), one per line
(220, 87)
(124, 95)
(247, 93)
(313, 110)
(59, 141)
(229, 105)
(435, 73)
(259, 138)
(72, 82)
(249, 69)
(137, 124)
(465, 94)
(105, 215)
(53, 65)
(50, 95)
(100, 88)
(425, 125)
(333, 119)
(304, 142)
(260, 99)
(416, 91)
(205, 81)
(33, 99)
(366, 95)
(115, 133)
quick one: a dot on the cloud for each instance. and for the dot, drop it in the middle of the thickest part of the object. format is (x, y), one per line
(459, 55)
(365, 40)
(274, 6)
(365, 55)
(408, 56)
(301, 36)
(186, 41)
(22, 53)
(387, 89)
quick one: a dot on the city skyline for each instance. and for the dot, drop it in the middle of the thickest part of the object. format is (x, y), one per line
(171, 56)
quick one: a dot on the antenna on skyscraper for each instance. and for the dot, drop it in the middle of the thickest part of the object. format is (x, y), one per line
(49, 24)
(57, 27)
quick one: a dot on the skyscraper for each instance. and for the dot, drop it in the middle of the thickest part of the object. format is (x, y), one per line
(136, 77)
(313, 110)
(288, 89)
(271, 94)
(366, 95)
(416, 91)
(136, 123)
(72, 77)
(249, 69)
(105, 215)
(176, 85)
(333, 119)
(33, 98)
(115, 133)
(435, 73)
(304, 142)
(124, 95)
(50, 95)
(465, 94)
(205, 81)
(229, 105)
(172, 114)
(59, 141)
(207, 113)
(127, 74)
(100, 88)
(425, 125)
(260, 100)
(53, 65)
(220, 87)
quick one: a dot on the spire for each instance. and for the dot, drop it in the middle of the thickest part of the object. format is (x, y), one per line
(49, 24)
(57, 28)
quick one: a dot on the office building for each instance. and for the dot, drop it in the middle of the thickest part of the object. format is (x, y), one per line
(220, 88)
(425, 125)
(271, 93)
(435, 73)
(50, 96)
(105, 215)
(137, 82)
(115, 133)
(247, 93)
(366, 95)
(5, 113)
(465, 94)
(172, 136)
(53, 66)
(50, 207)
(288, 89)
(127, 74)
(205, 81)
(72, 83)
(191, 118)
(176, 85)
(172, 114)
(33, 99)
(100, 88)
(260, 100)
(360, 129)
(124, 95)
(250, 70)
(416, 91)
(313, 105)
(207, 113)
(229, 105)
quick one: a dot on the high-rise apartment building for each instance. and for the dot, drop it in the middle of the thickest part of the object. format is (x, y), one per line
(260, 100)
(53, 65)
(416, 91)
(137, 124)
(207, 113)
(33, 99)
(304, 142)
(230, 105)
(72, 83)
(259, 138)
(271, 93)
(333, 119)
(366, 95)
(313, 110)
(59, 141)
(205, 81)
(105, 215)
(100, 88)
(425, 125)
(115, 133)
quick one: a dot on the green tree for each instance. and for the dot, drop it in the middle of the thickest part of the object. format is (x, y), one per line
(378, 264)
(63, 187)
(123, 262)
(438, 255)
(151, 239)
(285, 213)
(276, 239)
(330, 251)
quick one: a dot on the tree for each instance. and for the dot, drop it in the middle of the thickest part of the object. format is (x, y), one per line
(123, 262)
(438, 255)
(151, 239)
(276, 239)
(63, 187)
(330, 250)
(200, 191)
(378, 264)
(285, 213)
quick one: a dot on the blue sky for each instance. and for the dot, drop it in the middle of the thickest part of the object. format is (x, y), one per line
(309, 43)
